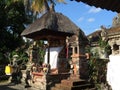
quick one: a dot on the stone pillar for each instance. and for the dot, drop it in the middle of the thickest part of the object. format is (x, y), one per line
(111, 43)
(78, 49)
(67, 48)
(73, 50)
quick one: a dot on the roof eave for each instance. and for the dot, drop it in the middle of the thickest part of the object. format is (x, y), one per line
(104, 4)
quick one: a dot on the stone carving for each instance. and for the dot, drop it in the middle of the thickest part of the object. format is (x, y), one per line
(103, 33)
(116, 20)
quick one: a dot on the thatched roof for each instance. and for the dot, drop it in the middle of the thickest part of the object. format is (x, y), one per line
(51, 23)
(112, 5)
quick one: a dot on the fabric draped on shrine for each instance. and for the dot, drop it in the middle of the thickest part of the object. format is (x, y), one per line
(54, 52)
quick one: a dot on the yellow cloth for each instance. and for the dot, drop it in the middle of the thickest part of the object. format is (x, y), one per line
(45, 69)
(8, 70)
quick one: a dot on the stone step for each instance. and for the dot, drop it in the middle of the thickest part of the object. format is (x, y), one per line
(79, 87)
(73, 82)
(82, 87)
(61, 87)
(53, 88)
(74, 77)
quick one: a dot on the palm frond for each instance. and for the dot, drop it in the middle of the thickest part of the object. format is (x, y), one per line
(62, 1)
(38, 6)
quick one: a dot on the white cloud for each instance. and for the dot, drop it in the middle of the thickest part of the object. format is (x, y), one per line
(80, 19)
(94, 10)
(91, 20)
(87, 6)
(97, 29)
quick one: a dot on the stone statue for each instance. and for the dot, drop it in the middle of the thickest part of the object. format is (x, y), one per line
(15, 60)
(116, 20)
(103, 33)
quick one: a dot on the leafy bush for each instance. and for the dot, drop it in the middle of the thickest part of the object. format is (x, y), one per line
(97, 71)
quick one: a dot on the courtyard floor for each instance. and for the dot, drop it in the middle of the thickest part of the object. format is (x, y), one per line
(8, 86)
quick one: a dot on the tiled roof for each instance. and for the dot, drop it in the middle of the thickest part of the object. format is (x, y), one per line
(95, 36)
(114, 30)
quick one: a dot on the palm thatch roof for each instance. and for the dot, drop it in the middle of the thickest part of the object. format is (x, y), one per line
(112, 5)
(51, 24)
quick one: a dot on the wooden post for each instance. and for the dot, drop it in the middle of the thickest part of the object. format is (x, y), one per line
(48, 58)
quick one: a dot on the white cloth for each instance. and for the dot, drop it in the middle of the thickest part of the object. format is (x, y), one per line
(113, 72)
(54, 51)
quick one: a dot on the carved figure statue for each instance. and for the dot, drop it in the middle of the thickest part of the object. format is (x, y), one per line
(103, 33)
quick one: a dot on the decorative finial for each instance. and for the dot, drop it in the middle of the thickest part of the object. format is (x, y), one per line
(52, 7)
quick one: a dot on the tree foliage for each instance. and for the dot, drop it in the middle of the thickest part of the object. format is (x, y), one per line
(97, 66)
(12, 22)
(14, 17)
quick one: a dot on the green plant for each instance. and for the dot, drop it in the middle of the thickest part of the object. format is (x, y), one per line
(97, 69)
(105, 46)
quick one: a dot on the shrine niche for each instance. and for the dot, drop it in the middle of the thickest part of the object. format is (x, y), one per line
(65, 42)
(55, 28)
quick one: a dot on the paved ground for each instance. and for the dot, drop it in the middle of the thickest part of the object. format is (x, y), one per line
(7, 86)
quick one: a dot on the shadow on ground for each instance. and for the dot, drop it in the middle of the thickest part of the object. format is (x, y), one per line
(6, 87)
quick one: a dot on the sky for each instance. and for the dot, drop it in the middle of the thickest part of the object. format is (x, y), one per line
(87, 18)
